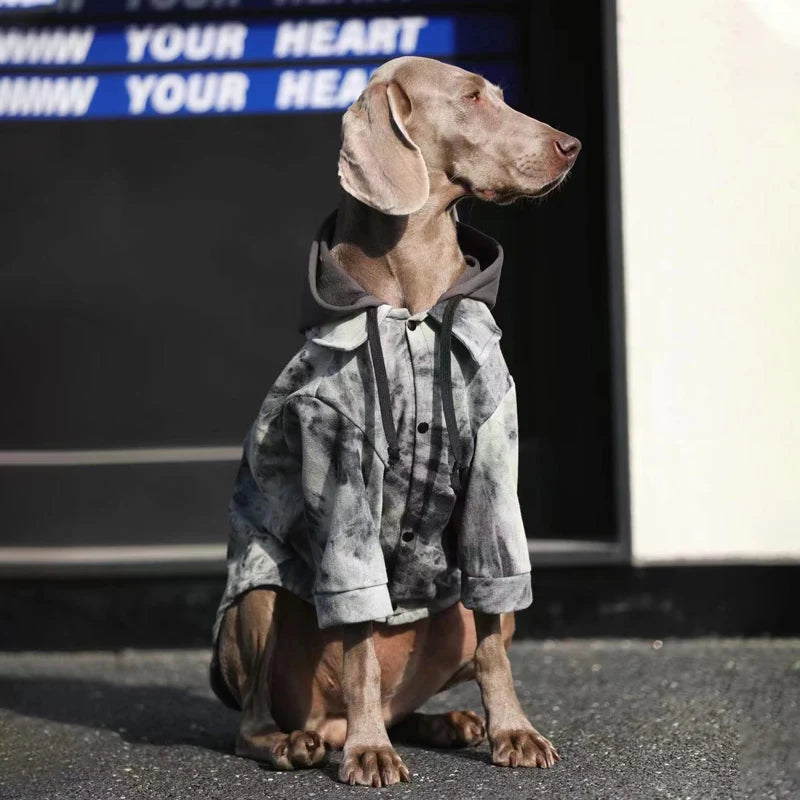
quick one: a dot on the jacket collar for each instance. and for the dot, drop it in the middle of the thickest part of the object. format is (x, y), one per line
(473, 326)
(331, 295)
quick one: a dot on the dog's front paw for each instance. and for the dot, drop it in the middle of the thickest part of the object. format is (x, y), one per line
(372, 766)
(522, 748)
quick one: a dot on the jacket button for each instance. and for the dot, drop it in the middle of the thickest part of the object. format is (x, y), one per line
(412, 324)
(407, 536)
(423, 427)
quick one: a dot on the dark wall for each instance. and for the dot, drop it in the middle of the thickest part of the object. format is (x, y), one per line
(554, 302)
(151, 277)
(153, 273)
(649, 603)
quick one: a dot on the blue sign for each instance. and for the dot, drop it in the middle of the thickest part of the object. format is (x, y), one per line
(271, 90)
(157, 44)
(26, 5)
(117, 7)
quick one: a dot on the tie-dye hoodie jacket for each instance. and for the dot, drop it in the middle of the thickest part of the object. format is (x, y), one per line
(370, 485)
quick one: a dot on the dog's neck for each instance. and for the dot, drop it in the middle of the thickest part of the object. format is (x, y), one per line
(406, 261)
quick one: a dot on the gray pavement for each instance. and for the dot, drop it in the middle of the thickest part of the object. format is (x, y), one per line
(687, 719)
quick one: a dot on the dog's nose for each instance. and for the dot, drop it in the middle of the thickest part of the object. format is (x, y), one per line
(568, 147)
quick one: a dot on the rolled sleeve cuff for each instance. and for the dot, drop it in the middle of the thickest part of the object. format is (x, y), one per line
(497, 595)
(356, 605)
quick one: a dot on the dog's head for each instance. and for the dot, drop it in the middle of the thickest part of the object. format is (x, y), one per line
(418, 116)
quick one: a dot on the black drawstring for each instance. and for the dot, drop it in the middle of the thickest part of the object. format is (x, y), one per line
(446, 384)
(379, 365)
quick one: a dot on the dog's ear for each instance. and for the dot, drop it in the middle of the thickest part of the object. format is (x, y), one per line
(379, 164)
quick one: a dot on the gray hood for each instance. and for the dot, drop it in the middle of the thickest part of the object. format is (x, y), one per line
(330, 294)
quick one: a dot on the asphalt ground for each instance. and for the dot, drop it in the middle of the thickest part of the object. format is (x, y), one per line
(688, 719)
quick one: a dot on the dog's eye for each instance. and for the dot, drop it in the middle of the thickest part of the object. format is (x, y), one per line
(476, 95)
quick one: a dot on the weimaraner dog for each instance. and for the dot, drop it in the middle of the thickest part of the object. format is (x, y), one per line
(422, 135)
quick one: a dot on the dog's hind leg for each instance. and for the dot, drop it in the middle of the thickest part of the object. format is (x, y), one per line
(451, 729)
(246, 650)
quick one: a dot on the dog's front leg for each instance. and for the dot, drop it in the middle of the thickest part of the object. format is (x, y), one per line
(514, 741)
(369, 758)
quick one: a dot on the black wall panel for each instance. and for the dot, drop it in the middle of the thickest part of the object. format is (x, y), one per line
(149, 293)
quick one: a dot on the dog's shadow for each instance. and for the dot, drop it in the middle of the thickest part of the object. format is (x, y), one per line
(158, 715)
(155, 715)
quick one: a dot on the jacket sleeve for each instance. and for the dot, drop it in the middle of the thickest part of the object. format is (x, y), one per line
(343, 522)
(493, 549)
